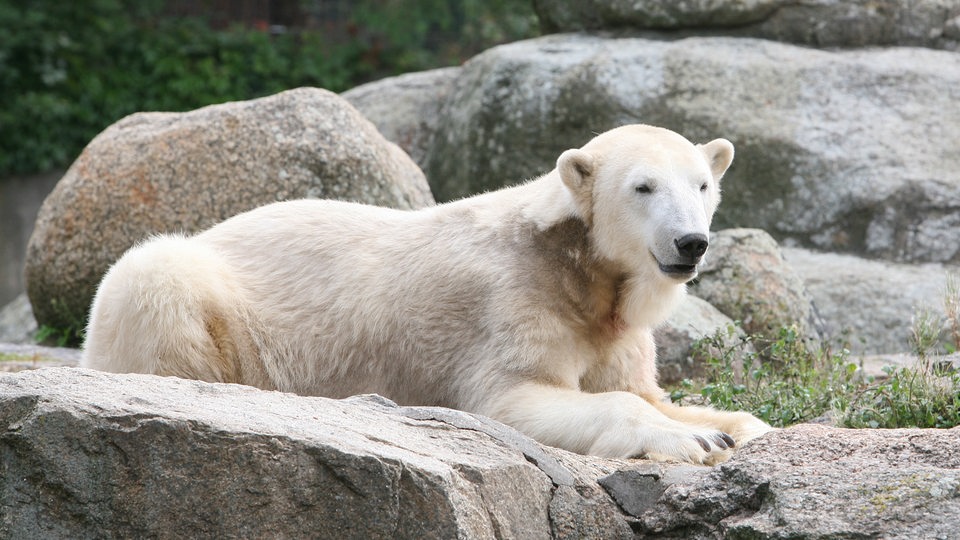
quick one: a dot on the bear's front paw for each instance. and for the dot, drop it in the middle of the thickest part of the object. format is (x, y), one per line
(697, 446)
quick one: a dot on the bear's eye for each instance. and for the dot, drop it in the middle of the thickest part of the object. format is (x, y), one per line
(644, 188)
(703, 186)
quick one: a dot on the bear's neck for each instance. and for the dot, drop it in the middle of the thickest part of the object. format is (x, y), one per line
(608, 297)
(612, 297)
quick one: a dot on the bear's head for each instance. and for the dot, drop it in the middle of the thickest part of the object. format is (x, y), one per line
(648, 196)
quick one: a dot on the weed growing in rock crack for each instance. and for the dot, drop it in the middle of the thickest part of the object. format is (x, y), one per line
(789, 379)
(925, 332)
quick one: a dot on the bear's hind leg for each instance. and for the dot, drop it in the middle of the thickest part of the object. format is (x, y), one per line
(169, 307)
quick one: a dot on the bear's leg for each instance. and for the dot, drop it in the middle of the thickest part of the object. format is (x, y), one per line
(741, 426)
(609, 424)
(171, 307)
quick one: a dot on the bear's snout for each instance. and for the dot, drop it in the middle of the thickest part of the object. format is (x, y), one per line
(692, 246)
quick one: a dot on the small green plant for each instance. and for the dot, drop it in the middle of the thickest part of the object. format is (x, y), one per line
(67, 331)
(787, 380)
(925, 332)
(71, 336)
(925, 395)
(951, 306)
(782, 381)
(908, 397)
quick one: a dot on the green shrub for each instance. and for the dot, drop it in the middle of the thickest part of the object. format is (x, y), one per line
(782, 381)
(789, 380)
(69, 69)
(922, 397)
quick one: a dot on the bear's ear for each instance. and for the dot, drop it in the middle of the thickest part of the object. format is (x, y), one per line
(719, 153)
(576, 169)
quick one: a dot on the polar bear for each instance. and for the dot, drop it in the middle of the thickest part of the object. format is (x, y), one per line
(533, 304)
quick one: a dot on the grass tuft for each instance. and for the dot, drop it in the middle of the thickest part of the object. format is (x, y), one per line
(788, 380)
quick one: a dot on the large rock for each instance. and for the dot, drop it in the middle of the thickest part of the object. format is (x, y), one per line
(20, 199)
(164, 172)
(406, 108)
(811, 481)
(870, 302)
(823, 23)
(744, 275)
(87, 454)
(850, 151)
(91, 455)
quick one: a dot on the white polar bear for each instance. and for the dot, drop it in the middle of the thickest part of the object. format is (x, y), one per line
(533, 304)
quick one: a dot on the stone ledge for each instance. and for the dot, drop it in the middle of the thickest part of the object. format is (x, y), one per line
(85, 454)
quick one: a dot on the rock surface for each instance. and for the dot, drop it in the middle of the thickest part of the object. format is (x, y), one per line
(165, 172)
(745, 276)
(86, 454)
(694, 319)
(141, 456)
(873, 302)
(819, 23)
(20, 199)
(814, 481)
(22, 356)
(17, 324)
(848, 151)
(406, 108)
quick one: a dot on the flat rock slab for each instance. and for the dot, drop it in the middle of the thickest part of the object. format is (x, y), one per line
(814, 481)
(85, 454)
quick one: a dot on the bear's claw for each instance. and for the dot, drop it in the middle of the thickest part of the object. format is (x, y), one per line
(730, 442)
(720, 440)
(703, 443)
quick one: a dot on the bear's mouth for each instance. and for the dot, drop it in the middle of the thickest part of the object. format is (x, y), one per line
(681, 272)
(678, 270)
(684, 272)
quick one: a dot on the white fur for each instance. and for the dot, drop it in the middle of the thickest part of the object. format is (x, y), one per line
(532, 304)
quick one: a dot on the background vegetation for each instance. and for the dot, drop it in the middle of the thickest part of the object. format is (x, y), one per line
(788, 379)
(69, 69)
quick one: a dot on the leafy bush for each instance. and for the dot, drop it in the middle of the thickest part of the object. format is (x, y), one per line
(789, 380)
(782, 381)
(69, 69)
(923, 396)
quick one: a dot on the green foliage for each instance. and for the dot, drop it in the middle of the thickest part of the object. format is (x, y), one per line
(69, 69)
(951, 305)
(925, 332)
(60, 337)
(69, 335)
(927, 395)
(788, 380)
(782, 381)
(921, 397)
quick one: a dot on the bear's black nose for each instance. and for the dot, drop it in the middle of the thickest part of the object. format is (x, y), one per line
(692, 246)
